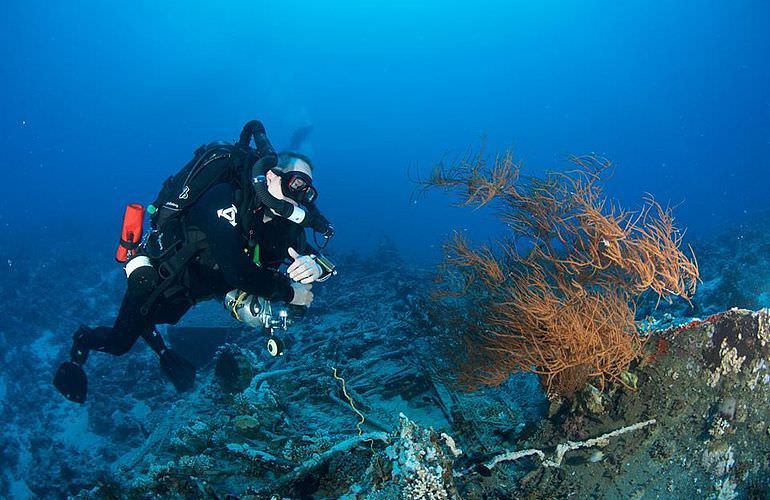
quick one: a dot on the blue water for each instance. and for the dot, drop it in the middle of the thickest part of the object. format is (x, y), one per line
(101, 102)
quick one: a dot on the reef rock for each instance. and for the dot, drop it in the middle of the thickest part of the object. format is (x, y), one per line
(706, 384)
(234, 368)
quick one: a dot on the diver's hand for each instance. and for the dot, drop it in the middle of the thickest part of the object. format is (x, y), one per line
(302, 294)
(304, 268)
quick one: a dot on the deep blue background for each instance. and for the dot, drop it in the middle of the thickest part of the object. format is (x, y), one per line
(102, 100)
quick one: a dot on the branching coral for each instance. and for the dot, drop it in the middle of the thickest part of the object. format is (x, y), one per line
(558, 296)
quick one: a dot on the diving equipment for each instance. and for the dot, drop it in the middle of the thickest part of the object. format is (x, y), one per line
(131, 232)
(256, 131)
(242, 164)
(178, 370)
(283, 208)
(79, 354)
(215, 162)
(274, 346)
(307, 217)
(328, 269)
(258, 312)
(71, 381)
(297, 185)
(137, 263)
(293, 182)
(319, 224)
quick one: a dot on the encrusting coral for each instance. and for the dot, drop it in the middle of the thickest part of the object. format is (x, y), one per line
(558, 295)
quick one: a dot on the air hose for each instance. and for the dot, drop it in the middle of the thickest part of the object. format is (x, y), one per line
(308, 217)
(255, 130)
(282, 207)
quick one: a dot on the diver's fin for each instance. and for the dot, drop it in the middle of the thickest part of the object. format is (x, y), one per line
(179, 371)
(71, 381)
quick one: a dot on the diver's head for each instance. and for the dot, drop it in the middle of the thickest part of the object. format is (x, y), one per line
(292, 179)
(290, 160)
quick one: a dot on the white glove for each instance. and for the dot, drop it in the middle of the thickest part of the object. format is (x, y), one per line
(302, 294)
(304, 268)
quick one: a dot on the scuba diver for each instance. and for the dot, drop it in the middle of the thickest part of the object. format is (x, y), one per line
(223, 226)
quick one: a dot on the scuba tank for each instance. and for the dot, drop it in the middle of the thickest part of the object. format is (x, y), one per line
(258, 312)
(131, 232)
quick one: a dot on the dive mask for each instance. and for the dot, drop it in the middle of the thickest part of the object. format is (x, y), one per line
(297, 185)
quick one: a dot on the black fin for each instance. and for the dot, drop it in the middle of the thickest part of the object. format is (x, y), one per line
(178, 370)
(71, 381)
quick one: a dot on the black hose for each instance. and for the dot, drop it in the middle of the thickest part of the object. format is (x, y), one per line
(281, 207)
(316, 221)
(251, 130)
(312, 218)
(255, 130)
(267, 159)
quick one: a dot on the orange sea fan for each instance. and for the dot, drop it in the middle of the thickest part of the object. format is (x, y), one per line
(564, 309)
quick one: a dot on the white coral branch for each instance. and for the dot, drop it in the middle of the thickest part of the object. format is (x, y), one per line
(563, 448)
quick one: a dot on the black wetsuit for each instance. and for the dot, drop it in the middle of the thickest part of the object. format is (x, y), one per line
(223, 263)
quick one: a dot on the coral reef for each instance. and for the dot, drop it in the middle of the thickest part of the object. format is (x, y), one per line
(705, 438)
(418, 464)
(558, 295)
(285, 426)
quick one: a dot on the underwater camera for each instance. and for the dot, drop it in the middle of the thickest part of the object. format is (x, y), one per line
(258, 312)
